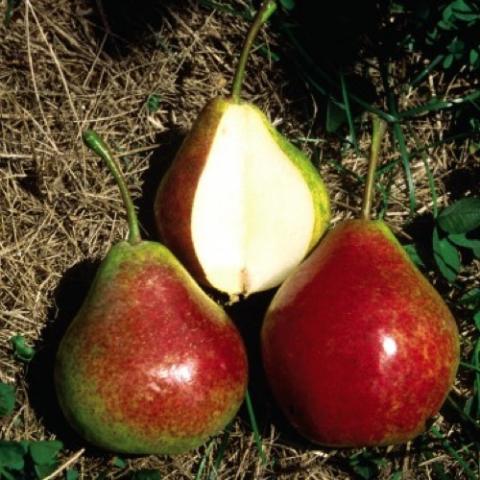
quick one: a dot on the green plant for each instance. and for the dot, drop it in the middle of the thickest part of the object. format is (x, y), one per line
(7, 399)
(21, 460)
(21, 350)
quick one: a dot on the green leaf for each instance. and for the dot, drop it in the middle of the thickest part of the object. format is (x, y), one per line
(45, 452)
(448, 61)
(335, 116)
(365, 465)
(20, 348)
(288, 4)
(476, 319)
(461, 217)
(446, 257)
(119, 462)
(412, 251)
(71, 474)
(473, 56)
(460, 6)
(43, 471)
(462, 240)
(153, 102)
(364, 471)
(146, 475)
(467, 17)
(11, 455)
(7, 399)
(471, 299)
(456, 46)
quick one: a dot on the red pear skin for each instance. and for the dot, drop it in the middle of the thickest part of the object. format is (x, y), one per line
(173, 205)
(358, 347)
(150, 364)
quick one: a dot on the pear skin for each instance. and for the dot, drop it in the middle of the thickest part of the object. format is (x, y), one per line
(179, 198)
(241, 207)
(150, 364)
(358, 347)
(174, 198)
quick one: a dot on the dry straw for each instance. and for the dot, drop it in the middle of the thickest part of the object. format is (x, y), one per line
(62, 69)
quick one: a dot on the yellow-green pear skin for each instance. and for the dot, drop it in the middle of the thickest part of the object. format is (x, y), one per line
(150, 364)
(240, 206)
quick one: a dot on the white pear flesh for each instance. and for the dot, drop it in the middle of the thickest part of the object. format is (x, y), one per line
(253, 215)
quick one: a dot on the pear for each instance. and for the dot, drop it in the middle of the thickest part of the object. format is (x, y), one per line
(240, 206)
(358, 347)
(150, 364)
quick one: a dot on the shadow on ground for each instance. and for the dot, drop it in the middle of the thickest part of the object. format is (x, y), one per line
(69, 296)
(159, 163)
(127, 23)
(248, 315)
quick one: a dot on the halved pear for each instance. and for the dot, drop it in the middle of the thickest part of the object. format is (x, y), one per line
(240, 206)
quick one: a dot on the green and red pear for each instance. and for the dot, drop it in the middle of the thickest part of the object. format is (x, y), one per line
(240, 206)
(358, 347)
(150, 364)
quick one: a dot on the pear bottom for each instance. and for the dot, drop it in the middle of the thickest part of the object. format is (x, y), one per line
(358, 347)
(150, 365)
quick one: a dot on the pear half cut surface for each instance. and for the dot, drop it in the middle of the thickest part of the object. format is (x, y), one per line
(240, 206)
(150, 364)
(358, 347)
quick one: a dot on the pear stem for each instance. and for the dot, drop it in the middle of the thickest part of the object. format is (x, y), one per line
(378, 131)
(263, 14)
(95, 143)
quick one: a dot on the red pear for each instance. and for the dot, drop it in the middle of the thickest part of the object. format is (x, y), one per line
(358, 347)
(150, 364)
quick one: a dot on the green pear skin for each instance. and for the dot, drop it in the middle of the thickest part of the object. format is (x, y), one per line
(150, 365)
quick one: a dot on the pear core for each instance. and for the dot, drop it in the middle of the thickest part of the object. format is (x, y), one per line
(253, 215)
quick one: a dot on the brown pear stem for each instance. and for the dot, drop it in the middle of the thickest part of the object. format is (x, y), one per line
(95, 143)
(263, 14)
(378, 131)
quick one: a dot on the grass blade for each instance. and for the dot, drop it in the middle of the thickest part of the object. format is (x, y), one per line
(348, 113)
(448, 447)
(402, 147)
(203, 463)
(253, 422)
(463, 415)
(418, 78)
(401, 143)
(310, 63)
(436, 104)
(470, 366)
(221, 452)
(431, 184)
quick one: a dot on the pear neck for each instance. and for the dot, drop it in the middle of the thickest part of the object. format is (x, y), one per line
(95, 143)
(266, 10)
(378, 132)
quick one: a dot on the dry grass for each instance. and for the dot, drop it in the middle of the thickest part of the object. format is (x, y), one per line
(60, 210)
